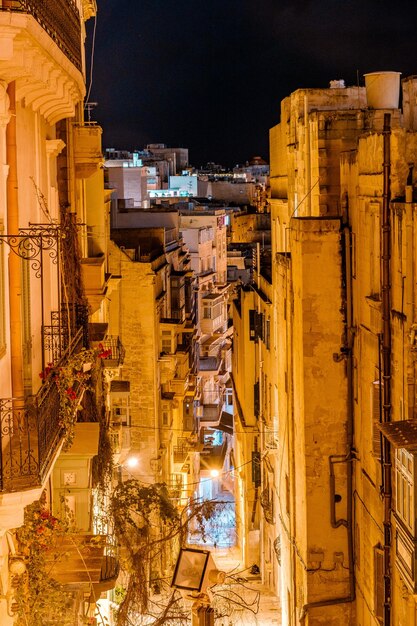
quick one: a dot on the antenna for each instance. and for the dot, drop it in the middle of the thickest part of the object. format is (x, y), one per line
(89, 106)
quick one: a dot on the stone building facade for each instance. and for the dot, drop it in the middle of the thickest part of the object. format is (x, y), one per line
(342, 194)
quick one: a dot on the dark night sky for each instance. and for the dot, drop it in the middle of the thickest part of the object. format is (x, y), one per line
(209, 75)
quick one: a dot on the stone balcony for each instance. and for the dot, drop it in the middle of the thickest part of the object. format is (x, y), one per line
(88, 559)
(40, 49)
(88, 154)
(94, 279)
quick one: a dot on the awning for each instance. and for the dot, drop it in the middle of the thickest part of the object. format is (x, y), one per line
(402, 434)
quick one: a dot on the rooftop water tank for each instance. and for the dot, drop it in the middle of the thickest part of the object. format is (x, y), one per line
(337, 84)
(383, 90)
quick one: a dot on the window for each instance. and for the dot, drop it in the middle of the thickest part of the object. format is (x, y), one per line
(357, 547)
(374, 247)
(166, 341)
(267, 333)
(188, 413)
(377, 390)
(379, 583)
(256, 399)
(404, 487)
(252, 333)
(256, 325)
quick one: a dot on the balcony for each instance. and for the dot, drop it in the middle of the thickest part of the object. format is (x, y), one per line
(89, 559)
(175, 486)
(31, 432)
(406, 556)
(211, 413)
(70, 320)
(40, 48)
(213, 325)
(94, 280)
(180, 454)
(120, 441)
(181, 450)
(213, 457)
(115, 352)
(209, 366)
(87, 149)
(59, 19)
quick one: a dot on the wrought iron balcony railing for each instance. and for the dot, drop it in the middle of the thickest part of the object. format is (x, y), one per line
(64, 325)
(60, 19)
(31, 431)
(113, 351)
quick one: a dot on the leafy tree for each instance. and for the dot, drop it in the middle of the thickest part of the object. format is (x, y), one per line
(150, 530)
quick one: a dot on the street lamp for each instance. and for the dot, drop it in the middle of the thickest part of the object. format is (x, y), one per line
(190, 569)
(195, 571)
(132, 462)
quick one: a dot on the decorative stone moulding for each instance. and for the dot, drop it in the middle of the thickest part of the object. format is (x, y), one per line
(46, 79)
(89, 9)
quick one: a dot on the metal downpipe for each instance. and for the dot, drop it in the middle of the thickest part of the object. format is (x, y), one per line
(386, 361)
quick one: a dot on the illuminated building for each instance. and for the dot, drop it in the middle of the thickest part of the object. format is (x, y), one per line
(342, 191)
(52, 235)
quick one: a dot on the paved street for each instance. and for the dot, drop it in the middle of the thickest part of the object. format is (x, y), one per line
(250, 589)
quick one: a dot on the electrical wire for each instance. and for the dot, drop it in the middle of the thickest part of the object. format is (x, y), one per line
(199, 482)
(181, 430)
(356, 495)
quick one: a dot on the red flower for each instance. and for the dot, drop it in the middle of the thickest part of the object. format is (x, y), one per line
(71, 393)
(104, 354)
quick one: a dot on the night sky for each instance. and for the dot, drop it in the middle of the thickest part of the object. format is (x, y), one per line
(209, 75)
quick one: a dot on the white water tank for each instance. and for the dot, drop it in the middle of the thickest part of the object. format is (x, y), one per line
(383, 90)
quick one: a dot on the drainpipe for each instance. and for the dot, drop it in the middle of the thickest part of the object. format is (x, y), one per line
(386, 362)
(346, 353)
(15, 282)
(307, 153)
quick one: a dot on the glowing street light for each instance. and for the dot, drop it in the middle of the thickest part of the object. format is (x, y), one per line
(132, 462)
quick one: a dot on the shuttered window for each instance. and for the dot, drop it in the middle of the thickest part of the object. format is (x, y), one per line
(377, 390)
(379, 583)
(404, 487)
(166, 344)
